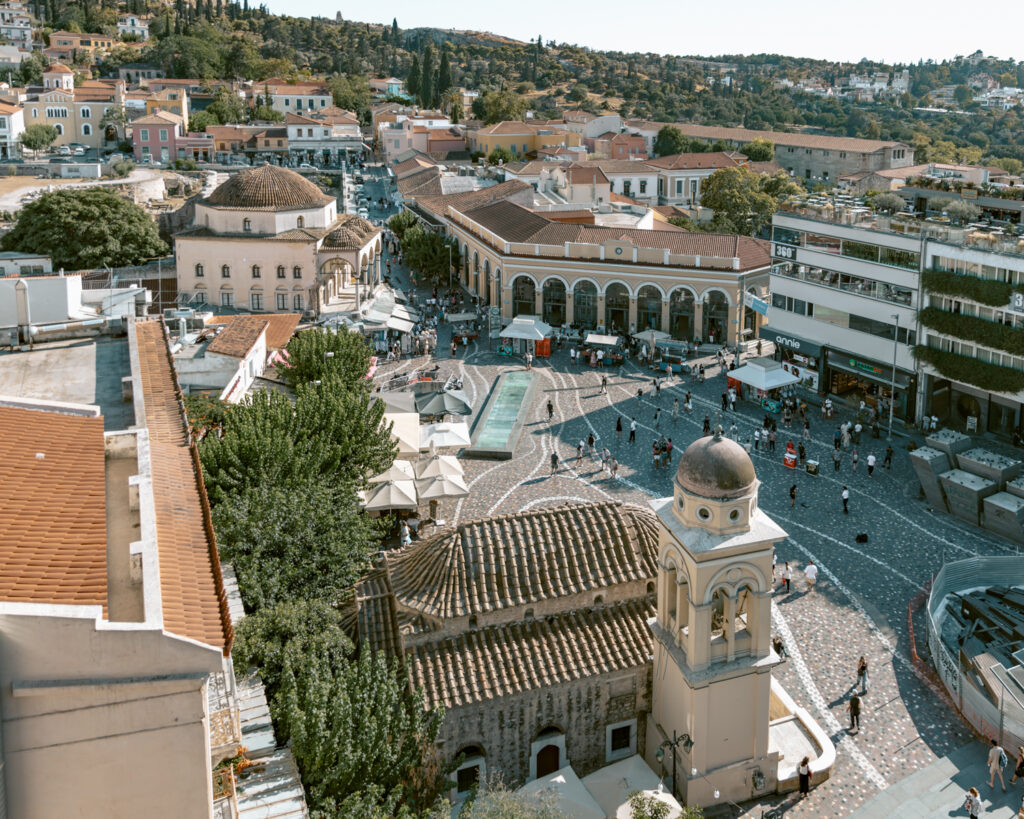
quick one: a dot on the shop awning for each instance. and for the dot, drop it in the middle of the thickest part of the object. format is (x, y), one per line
(763, 374)
(461, 317)
(401, 325)
(406, 431)
(596, 339)
(871, 370)
(527, 329)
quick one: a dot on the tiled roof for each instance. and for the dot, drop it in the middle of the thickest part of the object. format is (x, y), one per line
(280, 326)
(239, 337)
(713, 132)
(473, 199)
(505, 660)
(585, 175)
(58, 68)
(510, 127)
(518, 559)
(192, 590)
(54, 521)
(512, 222)
(425, 182)
(352, 232)
(694, 161)
(268, 187)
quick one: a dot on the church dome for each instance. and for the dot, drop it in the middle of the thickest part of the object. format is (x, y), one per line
(716, 467)
(268, 187)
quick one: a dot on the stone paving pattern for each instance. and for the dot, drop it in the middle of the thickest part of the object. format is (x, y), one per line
(861, 600)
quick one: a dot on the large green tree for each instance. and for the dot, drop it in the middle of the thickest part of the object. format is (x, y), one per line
(499, 106)
(227, 107)
(38, 136)
(444, 74)
(315, 354)
(351, 92)
(670, 141)
(429, 253)
(412, 79)
(759, 150)
(744, 199)
(83, 228)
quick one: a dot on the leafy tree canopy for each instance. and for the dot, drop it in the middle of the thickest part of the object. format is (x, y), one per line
(84, 228)
(759, 150)
(314, 355)
(38, 136)
(499, 106)
(500, 156)
(429, 253)
(745, 198)
(670, 141)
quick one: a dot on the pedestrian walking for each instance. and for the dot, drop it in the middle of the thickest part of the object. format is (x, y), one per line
(639, 395)
(572, 356)
(807, 430)
(675, 409)
(779, 647)
(725, 402)
(579, 454)
(657, 389)
(707, 425)
(804, 772)
(734, 432)
(973, 803)
(604, 385)
(887, 463)
(846, 501)
(1018, 771)
(802, 453)
(996, 762)
(862, 675)
(857, 428)
(837, 457)
(590, 444)
(615, 468)
(853, 706)
(657, 417)
(618, 427)
(837, 438)
(632, 431)
(771, 440)
(871, 463)
(554, 463)
(551, 410)
(668, 452)
(757, 438)
(787, 577)
(855, 458)
(406, 534)
(792, 496)
(811, 574)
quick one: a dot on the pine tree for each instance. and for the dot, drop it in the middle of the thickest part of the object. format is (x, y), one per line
(394, 30)
(427, 77)
(412, 81)
(444, 75)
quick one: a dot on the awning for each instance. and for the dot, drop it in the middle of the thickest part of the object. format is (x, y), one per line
(461, 317)
(406, 431)
(612, 786)
(785, 339)
(763, 374)
(401, 325)
(391, 495)
(398, 471)
(442, 436)
(527, 329)
(866, 368)
(596, 339)
(651, 336)
(564, 792)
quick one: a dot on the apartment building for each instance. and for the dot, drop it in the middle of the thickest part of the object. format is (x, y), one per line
(326, 135)
(75, 42)
(521, 138)
(292, 97)
(12, 126)
(76, 113)
(135, 26)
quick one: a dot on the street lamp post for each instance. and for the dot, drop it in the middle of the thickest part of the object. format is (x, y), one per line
(674, 743)
(449, 265)
(892, 383)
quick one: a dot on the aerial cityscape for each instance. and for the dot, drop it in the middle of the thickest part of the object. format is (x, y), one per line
(433, 422)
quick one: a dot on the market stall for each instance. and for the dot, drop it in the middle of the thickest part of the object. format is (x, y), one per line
(670, 356)
(763, 380)
(526, 334)
(599, 350)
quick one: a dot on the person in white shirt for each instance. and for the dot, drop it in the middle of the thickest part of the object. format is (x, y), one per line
(811, 573)
(871, 463)
(846, 501)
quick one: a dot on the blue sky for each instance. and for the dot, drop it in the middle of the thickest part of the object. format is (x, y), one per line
(875, 29)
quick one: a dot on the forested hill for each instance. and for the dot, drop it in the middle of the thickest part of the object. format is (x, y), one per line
(217, 40)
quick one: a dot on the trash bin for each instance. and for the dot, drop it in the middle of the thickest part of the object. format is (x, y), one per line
(812, 467)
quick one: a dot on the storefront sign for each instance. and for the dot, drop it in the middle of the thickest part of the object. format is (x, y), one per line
(781, 251)
(864, 367)
(1017, 302)
(755, 304)
(795, 343)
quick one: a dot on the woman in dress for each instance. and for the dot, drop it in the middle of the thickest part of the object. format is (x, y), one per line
(804, 770)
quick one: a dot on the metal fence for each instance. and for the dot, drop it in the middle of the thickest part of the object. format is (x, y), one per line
(1004, 719)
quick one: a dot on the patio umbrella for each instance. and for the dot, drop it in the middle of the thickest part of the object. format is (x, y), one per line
(444, 435)
(391, 495)
(651, 337)
(397, 401)
(443, 486)
(443, 402)
(439, 465)
(398, 471)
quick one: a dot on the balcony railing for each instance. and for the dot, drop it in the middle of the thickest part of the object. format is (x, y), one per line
(849, 284)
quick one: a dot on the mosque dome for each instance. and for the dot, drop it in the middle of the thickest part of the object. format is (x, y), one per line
(268, 187)
(716, 467)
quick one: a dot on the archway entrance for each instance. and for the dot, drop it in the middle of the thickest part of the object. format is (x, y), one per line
(553, 303)
(548, 760)
(616, 308)
(524, 297)
(648, 308)
(680, 314)
(584, 305)
(716, 317)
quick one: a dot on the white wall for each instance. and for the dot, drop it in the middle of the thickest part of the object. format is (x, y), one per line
(52, 299)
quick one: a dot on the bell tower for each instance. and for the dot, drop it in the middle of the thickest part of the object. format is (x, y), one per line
(712, 633)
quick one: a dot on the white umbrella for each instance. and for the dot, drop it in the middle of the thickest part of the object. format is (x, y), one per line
(650, 336)
(391, 495)
(398, 471)
(437, 465)
(444, 435)
(443, 486)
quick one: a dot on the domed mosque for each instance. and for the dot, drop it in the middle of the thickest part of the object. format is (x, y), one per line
(713, 656)
(270, 240)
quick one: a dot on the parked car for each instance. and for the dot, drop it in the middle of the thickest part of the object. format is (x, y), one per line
(305, 166)
(79, 151)
(364, 213)
(64, 150)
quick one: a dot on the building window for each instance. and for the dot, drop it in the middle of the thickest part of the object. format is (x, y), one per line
(86, 129)
(144, 134)
(470, 773)
(247, 225)
(227, 299)
(86, 113)
(255, 271)
(297, 301)
(280, 271)
(57, 113)
(199, 271)
(163, 134)
(60, 128)
(643, 186)
(296, 272)
(200, 297)
(282, 301)
(301, 222)
(225, 272)
(620, 740)
(256, 301)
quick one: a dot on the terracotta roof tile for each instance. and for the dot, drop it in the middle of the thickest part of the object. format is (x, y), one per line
(194, 602)
(852, 144)
(473, 199)
(54, 543)
(694, 161)
(239, 337)
(505, 660)
(268, 187)
(515, 560)
(280, 327)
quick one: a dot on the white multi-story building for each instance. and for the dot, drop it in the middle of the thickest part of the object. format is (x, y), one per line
(12, 126)
(133, 25)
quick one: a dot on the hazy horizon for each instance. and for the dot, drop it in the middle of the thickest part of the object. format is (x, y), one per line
(882, 32)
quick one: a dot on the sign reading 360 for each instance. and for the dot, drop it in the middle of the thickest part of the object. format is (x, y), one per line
(780, 251)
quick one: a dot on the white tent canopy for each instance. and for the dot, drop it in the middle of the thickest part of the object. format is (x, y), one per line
(461, 317)
(390, 495)
(763, 374)
(444, 435)
(442, 486)
(437, 465)
(651, 336)
(406, 431)
(564, 792)
(601, 340)
(528, 328)
(398, 471)
(611, 786)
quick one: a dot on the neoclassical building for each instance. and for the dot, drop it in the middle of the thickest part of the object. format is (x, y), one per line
(269, 240)
(614, 271)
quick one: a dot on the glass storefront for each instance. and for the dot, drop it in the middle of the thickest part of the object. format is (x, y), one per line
(857, 379)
